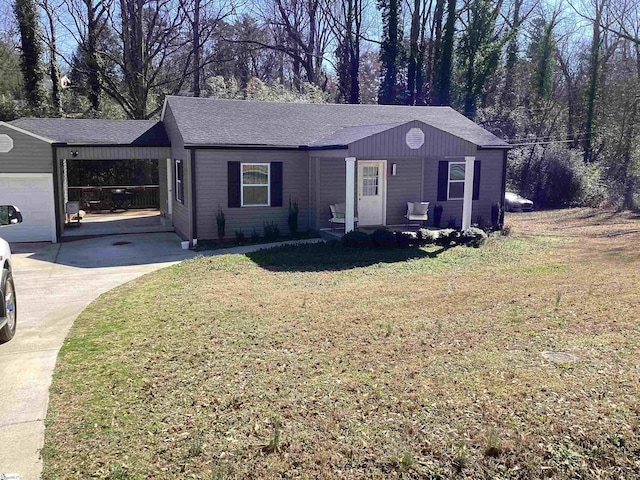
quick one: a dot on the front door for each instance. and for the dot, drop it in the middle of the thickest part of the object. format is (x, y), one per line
(372, 185)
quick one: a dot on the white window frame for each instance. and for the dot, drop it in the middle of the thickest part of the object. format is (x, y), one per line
(449, 181)
(242, 185)
(179, 184)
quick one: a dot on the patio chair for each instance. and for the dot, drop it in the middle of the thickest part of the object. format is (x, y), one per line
(338, 215)
(72, 209)
(417, 211)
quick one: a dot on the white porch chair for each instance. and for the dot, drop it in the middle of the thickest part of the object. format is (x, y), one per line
(338, 215)
(417, 211)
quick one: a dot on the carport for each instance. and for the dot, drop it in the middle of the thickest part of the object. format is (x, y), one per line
(34, 174)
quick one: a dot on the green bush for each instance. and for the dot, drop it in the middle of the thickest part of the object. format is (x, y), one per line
(383, 239)
(426, 237)
(240, 237)
(221, 222)
(271, 232)
(472, 237)
(446, 237)
(255, 236)
(292, 219)
(356, 239)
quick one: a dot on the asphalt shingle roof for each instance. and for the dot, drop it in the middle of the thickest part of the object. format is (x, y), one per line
(205, 121)
(143, 133)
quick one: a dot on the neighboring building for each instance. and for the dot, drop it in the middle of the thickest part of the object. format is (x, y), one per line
(251, 158)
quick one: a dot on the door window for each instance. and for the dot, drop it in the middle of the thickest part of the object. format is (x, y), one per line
(370, 181)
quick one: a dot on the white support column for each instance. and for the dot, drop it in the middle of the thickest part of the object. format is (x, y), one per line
(467, 205)
(349, 213)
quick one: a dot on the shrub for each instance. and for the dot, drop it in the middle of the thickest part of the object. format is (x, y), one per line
(496, 216)
(356, 239)
(446, 237)
(437, 215)
(473, 237)
(271, 231)
(426, 237)
(452, 222)
(220, 220)
(554, 176)
(239, 237)
(292, 219)
(255, 236)
(383, 239)
(404, 239)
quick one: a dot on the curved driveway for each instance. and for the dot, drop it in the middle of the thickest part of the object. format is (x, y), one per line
(53, 285)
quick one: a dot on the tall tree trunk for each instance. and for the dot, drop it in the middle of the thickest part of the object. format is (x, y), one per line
(27, 17)
(54, 71)
(91, 50)
(196, 48)
(509, 96)
(133, 43)
(412, 69)
(594, 66)
(445, 66)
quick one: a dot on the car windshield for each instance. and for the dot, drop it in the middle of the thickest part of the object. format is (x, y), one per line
(512, 196)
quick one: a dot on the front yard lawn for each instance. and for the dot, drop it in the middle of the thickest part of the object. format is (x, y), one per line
(320, 362)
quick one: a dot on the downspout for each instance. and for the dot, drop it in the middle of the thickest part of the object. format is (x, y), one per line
(56, 192)
(194, 204)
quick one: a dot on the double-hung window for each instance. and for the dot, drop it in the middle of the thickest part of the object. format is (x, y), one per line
(456, 181)
(179, 176)
(255, 185)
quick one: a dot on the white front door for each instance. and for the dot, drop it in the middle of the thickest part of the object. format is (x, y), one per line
(372, 190)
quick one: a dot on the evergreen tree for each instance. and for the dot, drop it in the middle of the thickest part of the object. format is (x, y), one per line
(31, 46)
(391, 53)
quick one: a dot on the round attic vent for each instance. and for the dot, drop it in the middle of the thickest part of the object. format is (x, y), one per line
(6, 143)
(415, 138)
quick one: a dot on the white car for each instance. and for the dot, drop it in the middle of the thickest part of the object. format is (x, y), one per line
(9, 215)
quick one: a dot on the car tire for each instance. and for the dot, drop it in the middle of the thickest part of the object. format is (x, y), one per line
(8, 301)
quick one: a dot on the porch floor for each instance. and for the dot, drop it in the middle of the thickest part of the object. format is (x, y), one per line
(118, 223)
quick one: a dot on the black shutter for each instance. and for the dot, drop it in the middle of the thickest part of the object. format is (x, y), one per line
(476, 180)
(276, 184)
(233, 183)
(443, 179)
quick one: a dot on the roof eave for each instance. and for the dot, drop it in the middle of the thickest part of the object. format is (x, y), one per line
(495, 147)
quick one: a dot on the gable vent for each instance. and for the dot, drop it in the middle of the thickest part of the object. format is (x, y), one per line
(415, 138)
(6, 143)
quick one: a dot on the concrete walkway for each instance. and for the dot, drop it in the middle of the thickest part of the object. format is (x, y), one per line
(53, 285)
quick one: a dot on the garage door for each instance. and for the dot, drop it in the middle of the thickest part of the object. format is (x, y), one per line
(33, 195)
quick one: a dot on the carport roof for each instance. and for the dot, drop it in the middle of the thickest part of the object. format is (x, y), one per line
(217, 122)
(76, 131)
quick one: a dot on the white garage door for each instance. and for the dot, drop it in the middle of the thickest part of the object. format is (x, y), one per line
(33, 195)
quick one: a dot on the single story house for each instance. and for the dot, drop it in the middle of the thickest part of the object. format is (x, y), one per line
(250, 159)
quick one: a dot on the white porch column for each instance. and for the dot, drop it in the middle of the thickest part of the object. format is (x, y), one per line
(467, 205)
(349, 213)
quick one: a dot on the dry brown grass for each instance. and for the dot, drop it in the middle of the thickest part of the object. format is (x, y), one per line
(407, 366)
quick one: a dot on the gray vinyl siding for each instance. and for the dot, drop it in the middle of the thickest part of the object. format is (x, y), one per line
(490, 188)
(182, 217)
(405, 186)
(29, 154)
(330, 186)
(212, 191)
(392, 143)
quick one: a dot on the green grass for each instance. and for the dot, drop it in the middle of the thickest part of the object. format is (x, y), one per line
(319, 361)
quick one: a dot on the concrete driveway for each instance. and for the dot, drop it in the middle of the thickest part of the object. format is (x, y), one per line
(53, 285)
